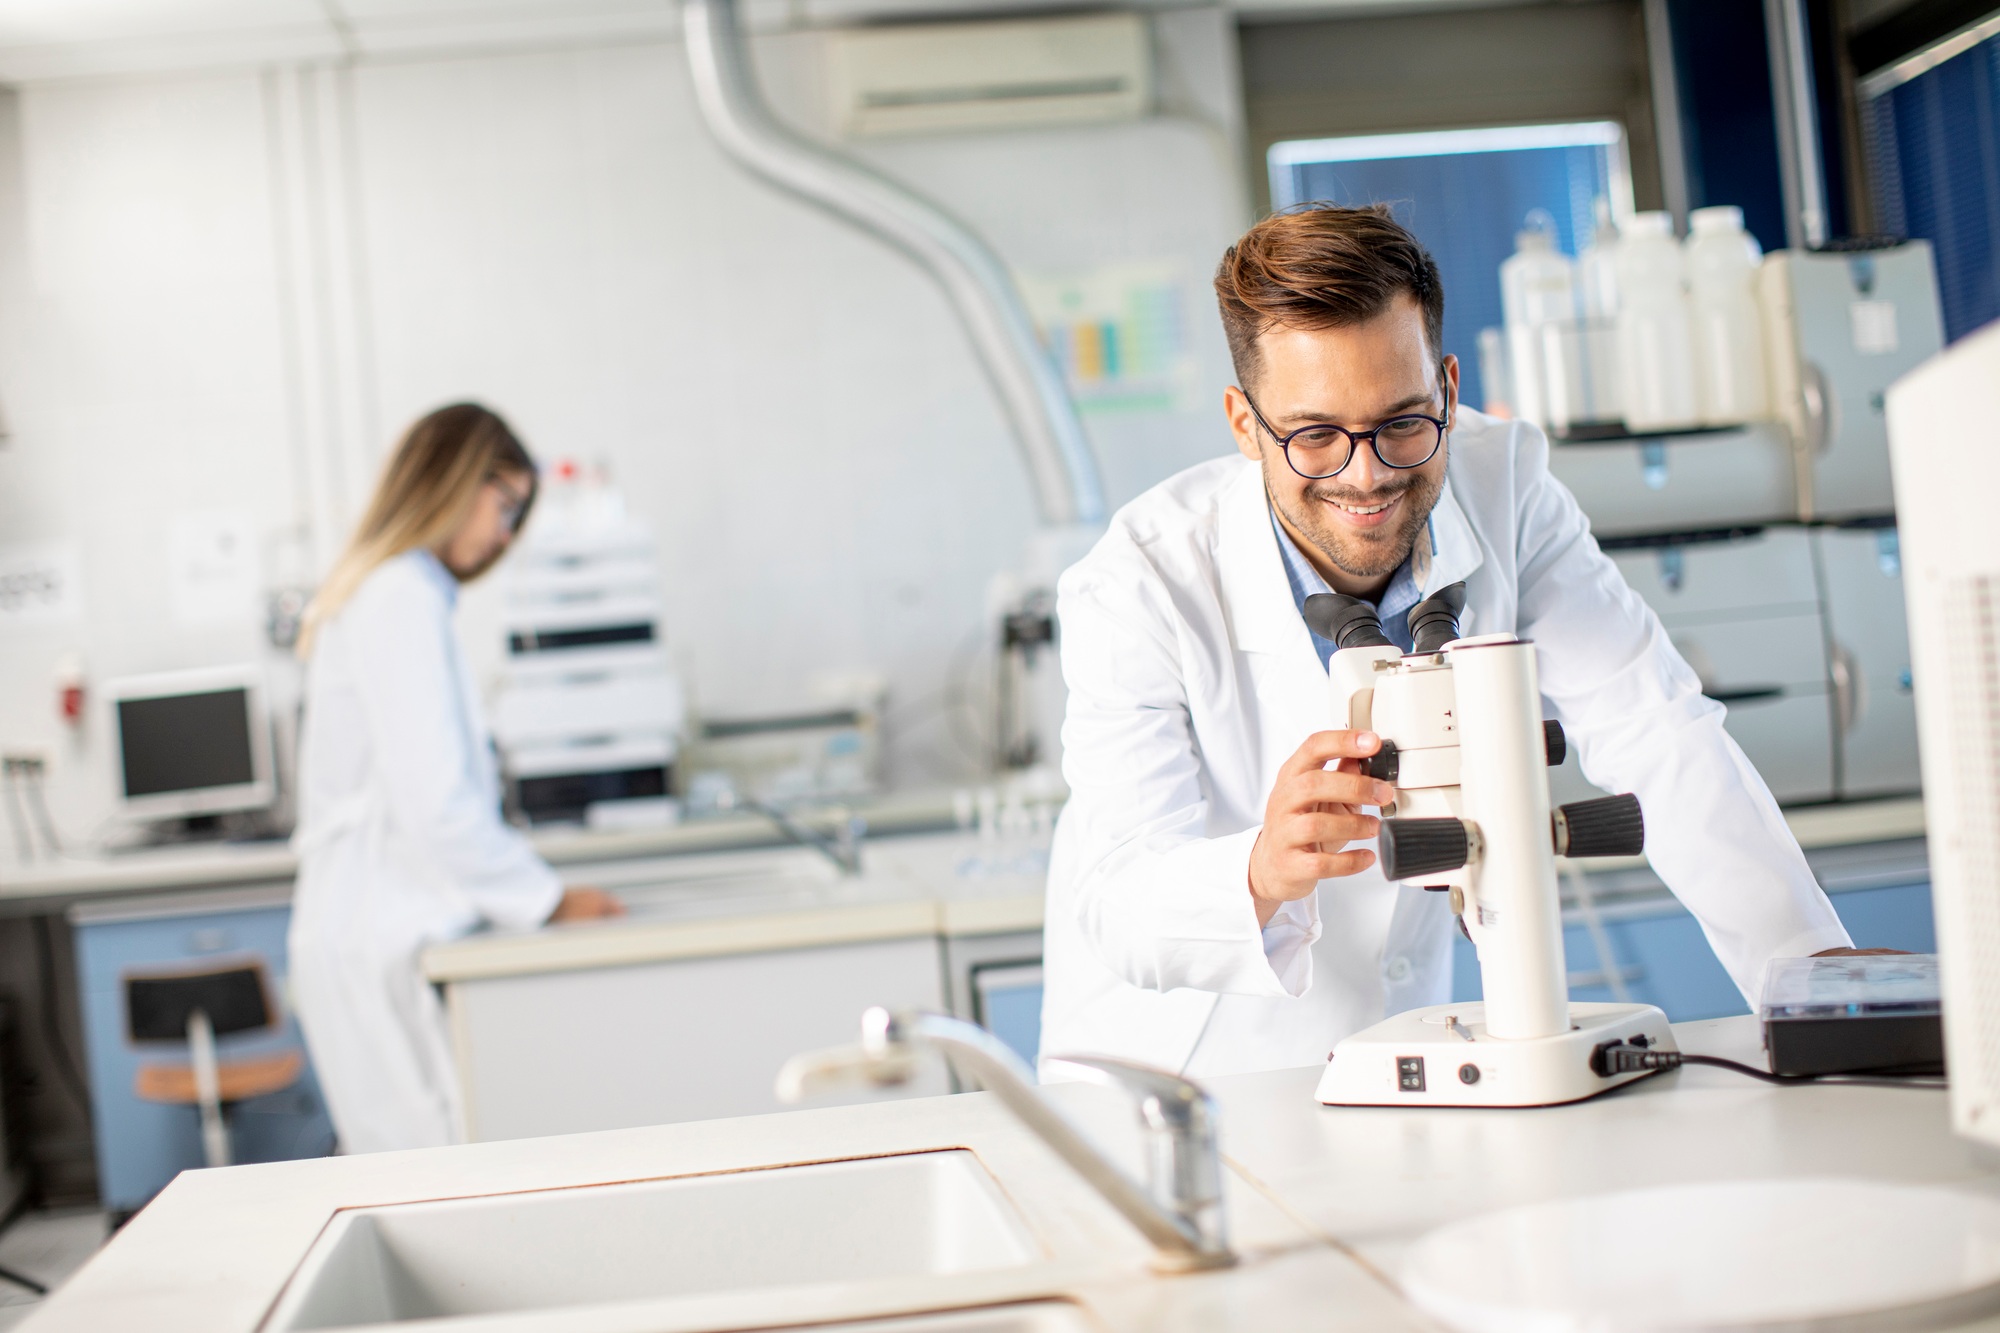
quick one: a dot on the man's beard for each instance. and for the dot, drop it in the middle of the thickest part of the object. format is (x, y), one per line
(1366, 554)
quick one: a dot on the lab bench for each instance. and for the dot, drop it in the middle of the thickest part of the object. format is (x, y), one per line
(1324, 1205)
(732, 959)
(729, 966)
(188, 908)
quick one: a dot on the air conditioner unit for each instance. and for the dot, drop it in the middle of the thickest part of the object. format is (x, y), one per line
(942, 77)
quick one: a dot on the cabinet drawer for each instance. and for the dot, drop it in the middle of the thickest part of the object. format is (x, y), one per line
(1865, 616)
(1739, 656)
(1693, 481)
(1789, 739)
(1731, 579)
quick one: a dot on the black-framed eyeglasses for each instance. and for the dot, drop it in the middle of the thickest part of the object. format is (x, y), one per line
(1319, 451)
(514, 504)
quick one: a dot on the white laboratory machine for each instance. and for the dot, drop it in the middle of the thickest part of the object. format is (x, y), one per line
(589, 712)
(1840, 327)
(1944, 441)
(1464, 742)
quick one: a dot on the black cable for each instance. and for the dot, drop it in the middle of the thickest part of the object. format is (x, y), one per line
(1620, 1058)
(45, 955)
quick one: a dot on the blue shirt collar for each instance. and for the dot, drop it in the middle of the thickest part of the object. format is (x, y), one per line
(1405, 588)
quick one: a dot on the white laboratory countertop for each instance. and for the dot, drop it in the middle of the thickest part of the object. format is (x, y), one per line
(937, 884)
(165, 869)
(788, 898)
(223, 865)
(1322, 1202)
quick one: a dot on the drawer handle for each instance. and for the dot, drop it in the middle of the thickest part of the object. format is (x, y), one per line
(1748, 695)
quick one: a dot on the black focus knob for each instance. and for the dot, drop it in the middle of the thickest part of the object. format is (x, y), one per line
(1386, 764)
(1554, 743)
(1348, 621)
(1607, 826)
(1414, 847)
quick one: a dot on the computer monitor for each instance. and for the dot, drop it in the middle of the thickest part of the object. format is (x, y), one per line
(1944, 448)
(192, 742)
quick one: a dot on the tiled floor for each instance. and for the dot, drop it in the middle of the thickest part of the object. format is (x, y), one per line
(48, 1247)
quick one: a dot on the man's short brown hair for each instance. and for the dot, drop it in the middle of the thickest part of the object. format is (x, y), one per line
(1322, 267)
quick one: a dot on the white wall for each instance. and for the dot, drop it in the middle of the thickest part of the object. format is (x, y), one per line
(229, 291)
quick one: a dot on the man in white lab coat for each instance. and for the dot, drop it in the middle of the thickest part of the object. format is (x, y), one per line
(1213, 901)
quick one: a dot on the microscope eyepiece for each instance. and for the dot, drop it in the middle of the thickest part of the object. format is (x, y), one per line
(1434, 621)
(1348, 621)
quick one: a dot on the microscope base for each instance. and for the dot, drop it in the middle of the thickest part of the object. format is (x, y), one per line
(1442, 1056)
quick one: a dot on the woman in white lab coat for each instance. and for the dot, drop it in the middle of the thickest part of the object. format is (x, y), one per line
(401, 844)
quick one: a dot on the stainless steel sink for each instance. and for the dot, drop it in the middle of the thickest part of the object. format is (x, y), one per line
(888, 1217)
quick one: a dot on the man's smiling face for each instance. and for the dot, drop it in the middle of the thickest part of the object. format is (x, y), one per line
(1359, 526)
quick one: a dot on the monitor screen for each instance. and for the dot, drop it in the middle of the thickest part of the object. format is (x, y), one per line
(186, 742)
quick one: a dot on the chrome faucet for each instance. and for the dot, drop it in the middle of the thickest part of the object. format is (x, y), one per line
(843, 848)
(1179, 1211)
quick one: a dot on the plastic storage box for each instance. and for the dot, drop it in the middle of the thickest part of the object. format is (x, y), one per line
(1848, 1015)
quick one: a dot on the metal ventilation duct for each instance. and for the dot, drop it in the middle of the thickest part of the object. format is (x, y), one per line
(1037, 402)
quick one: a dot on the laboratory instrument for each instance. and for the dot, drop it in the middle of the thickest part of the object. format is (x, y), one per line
(192, 746)
(1944, 442)
(1464, 743)
(1180, 1209)
(1841, 326)
(589, 712)
(1849, 1015)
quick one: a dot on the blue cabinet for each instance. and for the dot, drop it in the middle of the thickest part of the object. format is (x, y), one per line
(143, 1144)
(1665, 960)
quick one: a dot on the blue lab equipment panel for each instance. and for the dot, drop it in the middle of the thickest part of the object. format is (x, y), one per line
(1664, 960)
(141, 1145)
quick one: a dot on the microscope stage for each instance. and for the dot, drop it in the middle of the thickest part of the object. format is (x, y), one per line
(1442, 1056)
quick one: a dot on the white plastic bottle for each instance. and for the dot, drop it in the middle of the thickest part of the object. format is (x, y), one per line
(1655, 328)
(1722, 262)
(1597, 296)
(1538, 296)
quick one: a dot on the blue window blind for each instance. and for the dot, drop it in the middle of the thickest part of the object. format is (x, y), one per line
(1933, 130)
(1464, 193)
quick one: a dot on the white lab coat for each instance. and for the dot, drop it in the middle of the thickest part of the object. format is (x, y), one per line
(401, 845)
(1192, 678)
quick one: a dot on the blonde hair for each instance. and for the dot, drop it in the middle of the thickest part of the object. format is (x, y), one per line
(422, 498)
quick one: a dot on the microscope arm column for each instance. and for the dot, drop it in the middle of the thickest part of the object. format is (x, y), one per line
(1513, 914)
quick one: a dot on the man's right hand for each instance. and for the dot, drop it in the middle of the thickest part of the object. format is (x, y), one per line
(1314, 811)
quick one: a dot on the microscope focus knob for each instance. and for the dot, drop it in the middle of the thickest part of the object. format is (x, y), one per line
(1555, 743)
(1385, 765)
(1414, 847)
(1607, 826)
